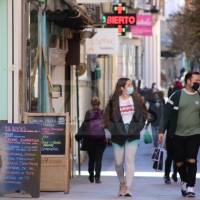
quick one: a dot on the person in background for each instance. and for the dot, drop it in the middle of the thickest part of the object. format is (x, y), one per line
(181, 114)
(163, 79)
(157, 110)
(178, 84)
(182, 79)
(169, 145)
(153, 94)
(172, 89)
(125, 116)
(154, 87)
(96, 144)
(191, 69)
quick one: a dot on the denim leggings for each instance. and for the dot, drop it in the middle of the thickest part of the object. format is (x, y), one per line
(155, 131)
(125, 153)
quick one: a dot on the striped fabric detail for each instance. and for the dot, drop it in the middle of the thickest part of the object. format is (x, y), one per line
(170, 101)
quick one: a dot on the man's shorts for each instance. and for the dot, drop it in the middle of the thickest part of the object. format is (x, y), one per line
(186, 147)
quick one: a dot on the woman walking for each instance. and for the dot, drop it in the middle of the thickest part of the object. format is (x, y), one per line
(95, 139)
(125, 117)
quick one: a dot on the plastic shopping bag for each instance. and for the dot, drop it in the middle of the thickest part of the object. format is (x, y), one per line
(159, 164)
(147, 137)
(155, 155)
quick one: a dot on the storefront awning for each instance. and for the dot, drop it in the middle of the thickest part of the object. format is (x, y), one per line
(65, 13)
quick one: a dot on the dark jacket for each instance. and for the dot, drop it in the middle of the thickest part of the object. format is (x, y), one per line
(84, 132)
(170, 114)
(171, 91)
(158, 113)
(116, 126)
(81, 137)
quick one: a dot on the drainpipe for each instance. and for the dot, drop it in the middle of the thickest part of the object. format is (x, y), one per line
(27, 71)
(77, 97)
(44, 78)
(13, 61)
(40, 59)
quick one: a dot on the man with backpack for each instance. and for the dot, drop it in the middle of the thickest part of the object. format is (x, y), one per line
(182, 115)
(95, 139)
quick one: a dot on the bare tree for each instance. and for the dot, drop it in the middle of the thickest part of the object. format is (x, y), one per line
(184, 31)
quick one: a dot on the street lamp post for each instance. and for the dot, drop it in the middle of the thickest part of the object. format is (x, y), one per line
(155, 12)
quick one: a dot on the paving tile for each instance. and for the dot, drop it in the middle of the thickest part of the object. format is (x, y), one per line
(143, 188)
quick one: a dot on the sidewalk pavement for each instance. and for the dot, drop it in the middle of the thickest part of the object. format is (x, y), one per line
(147, 184)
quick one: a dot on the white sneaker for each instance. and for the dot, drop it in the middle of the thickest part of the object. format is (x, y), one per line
(183, 189)
(190, 192)
(122, 188)
(128, 192)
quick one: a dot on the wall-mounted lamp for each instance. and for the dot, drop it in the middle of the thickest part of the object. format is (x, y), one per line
(155, 12)
(88, 33)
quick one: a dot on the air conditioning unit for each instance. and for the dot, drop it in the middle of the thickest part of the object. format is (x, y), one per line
(129, 3)
(141, 4)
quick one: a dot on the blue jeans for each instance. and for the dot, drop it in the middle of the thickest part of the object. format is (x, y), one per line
(155, 131)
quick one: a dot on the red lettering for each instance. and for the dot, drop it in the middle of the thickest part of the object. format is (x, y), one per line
(126, 19)
(121, 20)
(131, 20)
(113, 20)
(109, 20)
(116, 20)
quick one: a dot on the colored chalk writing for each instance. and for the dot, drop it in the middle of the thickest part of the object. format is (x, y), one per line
(20, 153)
(53, 133)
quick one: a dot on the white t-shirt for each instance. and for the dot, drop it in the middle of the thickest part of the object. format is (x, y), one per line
(127, 109)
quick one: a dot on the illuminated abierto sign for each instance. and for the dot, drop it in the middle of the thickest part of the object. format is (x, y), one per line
(120, 18)
(126, 19)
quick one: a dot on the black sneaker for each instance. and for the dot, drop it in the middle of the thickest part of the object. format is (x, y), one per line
(91, 179)
(97, 180)
(167, 180)
(174, 177)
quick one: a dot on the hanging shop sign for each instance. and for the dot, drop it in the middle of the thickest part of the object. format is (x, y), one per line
(105, 41)
(144, 25)
(126, 19)
(120, 18)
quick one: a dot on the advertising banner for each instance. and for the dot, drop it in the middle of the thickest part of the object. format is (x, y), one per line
(143, 26)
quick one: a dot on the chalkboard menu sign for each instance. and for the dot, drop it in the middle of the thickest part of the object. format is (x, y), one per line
(53, 133)
(20, 155)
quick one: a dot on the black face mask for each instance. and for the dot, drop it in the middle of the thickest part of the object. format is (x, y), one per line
(195, 86)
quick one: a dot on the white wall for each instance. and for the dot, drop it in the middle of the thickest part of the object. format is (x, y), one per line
(14, 58)
(126, 58)
(172, 6)
(151, 58)
(58, 77)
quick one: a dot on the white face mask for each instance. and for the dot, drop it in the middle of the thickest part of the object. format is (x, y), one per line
(155, 86)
